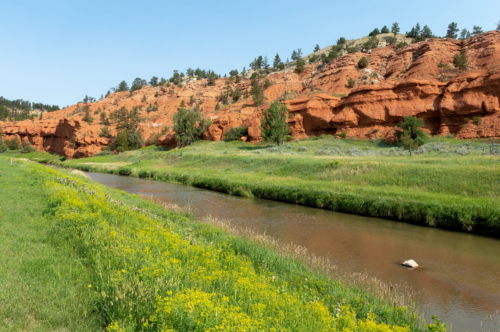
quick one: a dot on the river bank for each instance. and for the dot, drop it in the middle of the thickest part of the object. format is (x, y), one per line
(448, 184)
(147, 266)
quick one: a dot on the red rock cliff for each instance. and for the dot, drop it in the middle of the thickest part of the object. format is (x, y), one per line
(418, 80)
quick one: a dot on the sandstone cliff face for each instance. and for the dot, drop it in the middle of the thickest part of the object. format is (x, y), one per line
(418, 80)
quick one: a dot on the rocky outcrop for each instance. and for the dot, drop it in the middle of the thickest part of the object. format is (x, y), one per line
(338, 97)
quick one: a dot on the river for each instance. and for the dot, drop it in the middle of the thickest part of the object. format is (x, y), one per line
(459, 274)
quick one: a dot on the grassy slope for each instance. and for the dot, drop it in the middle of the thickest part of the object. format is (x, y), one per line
(42, 287)
(440, 187)
(46, 288)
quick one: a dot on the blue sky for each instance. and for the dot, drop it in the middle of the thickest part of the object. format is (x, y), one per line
(56, 51)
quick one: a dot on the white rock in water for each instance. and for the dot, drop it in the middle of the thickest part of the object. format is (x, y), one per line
(411, 263)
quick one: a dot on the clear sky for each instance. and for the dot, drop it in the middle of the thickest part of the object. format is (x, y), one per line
(58, 51)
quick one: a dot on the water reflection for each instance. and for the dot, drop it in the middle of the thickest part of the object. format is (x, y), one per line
(459, 278)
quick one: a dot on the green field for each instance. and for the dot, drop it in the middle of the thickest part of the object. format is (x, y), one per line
(81, 257)
(43, 286)
(448, 183)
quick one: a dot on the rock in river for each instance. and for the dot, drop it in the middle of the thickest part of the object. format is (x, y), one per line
(410, 263)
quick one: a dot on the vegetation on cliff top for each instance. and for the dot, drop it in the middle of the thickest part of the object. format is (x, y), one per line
(143, 268)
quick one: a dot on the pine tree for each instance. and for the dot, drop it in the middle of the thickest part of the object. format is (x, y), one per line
(123, 86)
(153, 81)
(277, 61)
(294, 55)
(476, 30)
(257, 93)
(341, 41)
(301, 66)
(464, 33)
(385, 29)
(395, 28)
(452, 31)
(273, 123)
(316, 48)
(374, 32)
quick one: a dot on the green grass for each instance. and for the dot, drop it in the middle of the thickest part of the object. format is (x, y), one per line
(151, 269)
(42, 287)
(452, 184)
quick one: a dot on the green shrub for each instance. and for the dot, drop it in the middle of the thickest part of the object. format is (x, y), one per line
(363, 62)
(477, 120)
(460, 60)
(342, 134)
(441, 64)
(3, 148)
(13, 144)
(351, 82)
(234, 134)
(401, 45)
(27, 147)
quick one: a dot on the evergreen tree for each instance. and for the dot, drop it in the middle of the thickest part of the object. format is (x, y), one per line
(86, 115)
(426, 32)
(233, 72)
(273, 123)
(476, 30)
(123, 86)
(137, 84)
(316, 48)
(189, 126)
(107, 94)
(374, 32)
(301, 66)
(277, 62)
(294, 55)
(498, 26)
(153, 81)
(417, 29)
(257, 93)
(341, 41)
(104, 119)
(464, 33)
(385, 29)
(452, 31)
(395, 28)
(162, 81)
(126, 119)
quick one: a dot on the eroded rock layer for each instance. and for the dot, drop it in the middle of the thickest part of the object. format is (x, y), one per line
(418, 80)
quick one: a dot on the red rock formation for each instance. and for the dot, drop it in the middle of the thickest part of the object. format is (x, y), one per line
(418, 80)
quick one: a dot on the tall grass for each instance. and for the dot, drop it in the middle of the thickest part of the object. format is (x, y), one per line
(155, 269)
(442, 187)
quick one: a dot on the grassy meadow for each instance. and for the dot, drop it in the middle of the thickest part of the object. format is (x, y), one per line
(81, 257)
(447, 183)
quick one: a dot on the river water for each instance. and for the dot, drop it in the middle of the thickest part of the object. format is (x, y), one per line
(459, 274)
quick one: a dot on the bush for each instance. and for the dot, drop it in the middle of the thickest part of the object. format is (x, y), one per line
(411, 136)
(3, 148)
(27, 147)
(363, 62)
(401, 45)
(13, 144)
(189, 125)
(351, 82)
(460, 60)
(477, 120)
(234, 134)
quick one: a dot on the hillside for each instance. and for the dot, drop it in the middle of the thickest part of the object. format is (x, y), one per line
(418, 80)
